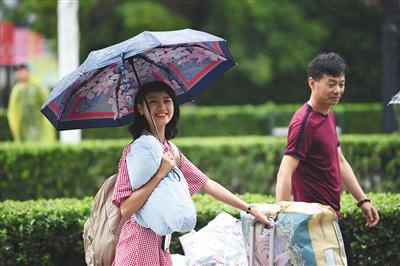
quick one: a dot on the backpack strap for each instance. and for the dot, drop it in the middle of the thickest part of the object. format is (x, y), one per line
(177, 154)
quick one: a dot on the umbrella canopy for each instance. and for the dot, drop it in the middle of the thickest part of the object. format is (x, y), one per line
(101, 91)
(395, 99)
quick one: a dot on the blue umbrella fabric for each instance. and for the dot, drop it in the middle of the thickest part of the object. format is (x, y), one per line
(101, 91)
(395, 99)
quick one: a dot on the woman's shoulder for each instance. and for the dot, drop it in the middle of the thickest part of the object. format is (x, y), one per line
(148, 142)
(172, 145)
(145, 138)
(126, 149)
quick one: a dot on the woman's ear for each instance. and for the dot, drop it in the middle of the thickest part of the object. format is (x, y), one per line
(140, 109)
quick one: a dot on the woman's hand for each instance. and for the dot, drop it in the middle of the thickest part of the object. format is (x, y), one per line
(137, 199)
(167, 163)
(262, 212)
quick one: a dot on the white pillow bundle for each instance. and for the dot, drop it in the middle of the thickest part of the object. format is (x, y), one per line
(169, 207)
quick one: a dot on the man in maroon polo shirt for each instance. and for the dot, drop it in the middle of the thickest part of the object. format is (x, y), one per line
(313, 167)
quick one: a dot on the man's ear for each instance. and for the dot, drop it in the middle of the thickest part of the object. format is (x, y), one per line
(311, 83)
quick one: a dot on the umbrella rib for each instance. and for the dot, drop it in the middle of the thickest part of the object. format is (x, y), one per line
(205, 48)
(154, 63)
(211, 50)
(116, 98)
(130, 60)
(167, 70)
(197, 45)
(67, 98)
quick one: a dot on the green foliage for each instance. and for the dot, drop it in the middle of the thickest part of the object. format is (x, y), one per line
(224, 120)
(99, 25)
(5, 133)
(376, 158)
(396, 108)
(269, 40)
(354, 30)
(353, 117)
(116, 21)
(247, 164)
(42, 232)
(153, 16)
(243, 164)
(106, 133)
(360, 118)
(56, 170)
(49, 232)
(367, 244)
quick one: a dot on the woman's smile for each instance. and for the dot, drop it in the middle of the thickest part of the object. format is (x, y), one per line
(161, 115)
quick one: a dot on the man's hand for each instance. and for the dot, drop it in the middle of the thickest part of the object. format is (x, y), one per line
(372, 214)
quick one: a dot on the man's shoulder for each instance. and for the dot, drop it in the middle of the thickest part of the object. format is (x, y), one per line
(302, 114)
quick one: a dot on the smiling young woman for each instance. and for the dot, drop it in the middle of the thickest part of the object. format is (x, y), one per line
(157, 114)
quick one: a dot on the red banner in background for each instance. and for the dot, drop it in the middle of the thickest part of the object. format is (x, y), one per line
(6, 43)
(36, 49)
(21, 45)
(18, 45)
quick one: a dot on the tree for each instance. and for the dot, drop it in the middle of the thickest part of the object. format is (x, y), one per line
(354, 31)
(104, 23)
(269, 40)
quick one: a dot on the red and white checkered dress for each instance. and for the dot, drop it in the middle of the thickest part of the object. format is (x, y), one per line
(138, 245)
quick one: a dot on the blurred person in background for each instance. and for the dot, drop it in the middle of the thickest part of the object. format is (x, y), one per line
(24, 117)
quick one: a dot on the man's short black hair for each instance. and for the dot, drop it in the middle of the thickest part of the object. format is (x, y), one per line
(327, 63)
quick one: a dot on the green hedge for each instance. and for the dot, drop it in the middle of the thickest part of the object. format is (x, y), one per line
(353, 118)
(5, 133)
(35, 170)
(243, 164)
(49, 232)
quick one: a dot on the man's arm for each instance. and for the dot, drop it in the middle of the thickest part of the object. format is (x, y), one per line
(352, 186)
(284, 178)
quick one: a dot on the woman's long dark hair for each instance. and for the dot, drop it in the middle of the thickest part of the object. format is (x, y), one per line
(140, 124)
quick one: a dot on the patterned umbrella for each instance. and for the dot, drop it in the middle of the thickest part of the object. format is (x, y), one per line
(395, 99)
(101, 91)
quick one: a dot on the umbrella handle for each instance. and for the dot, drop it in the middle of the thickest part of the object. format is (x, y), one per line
(129, 100)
